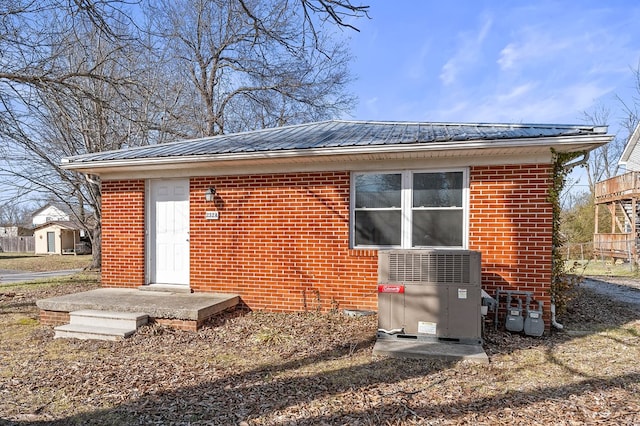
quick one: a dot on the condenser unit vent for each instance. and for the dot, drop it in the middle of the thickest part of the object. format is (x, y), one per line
(426, 266)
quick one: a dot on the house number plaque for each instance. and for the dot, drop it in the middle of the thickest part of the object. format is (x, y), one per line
(212, 215)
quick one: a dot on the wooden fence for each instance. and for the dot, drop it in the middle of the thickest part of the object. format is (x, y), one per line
(18, 244)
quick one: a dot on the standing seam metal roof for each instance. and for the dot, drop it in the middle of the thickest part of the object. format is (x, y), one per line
(337, 133)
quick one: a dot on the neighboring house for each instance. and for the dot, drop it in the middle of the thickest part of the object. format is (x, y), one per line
(619, 197)
(48, 213)
(59, 237)
(15, 231)
(293, 217)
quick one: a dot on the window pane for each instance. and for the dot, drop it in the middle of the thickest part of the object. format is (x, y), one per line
(437, 228)
(378, 191)
(378, 228)
(437, 189)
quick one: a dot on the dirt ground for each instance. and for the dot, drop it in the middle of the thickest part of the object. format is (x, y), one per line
(624, 290)
(315, 369)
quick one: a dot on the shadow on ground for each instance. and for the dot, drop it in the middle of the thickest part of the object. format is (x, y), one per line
(372, 387)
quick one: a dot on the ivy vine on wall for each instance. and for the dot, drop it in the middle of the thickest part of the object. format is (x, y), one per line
(561, 282)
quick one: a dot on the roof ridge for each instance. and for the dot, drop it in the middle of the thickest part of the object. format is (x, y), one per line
(466, 124)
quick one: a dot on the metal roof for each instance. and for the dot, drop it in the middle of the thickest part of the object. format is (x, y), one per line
(340, 134)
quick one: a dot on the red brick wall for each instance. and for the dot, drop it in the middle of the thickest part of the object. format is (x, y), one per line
(282, 242)
(510, 223)
(123, 233)
(53, 318)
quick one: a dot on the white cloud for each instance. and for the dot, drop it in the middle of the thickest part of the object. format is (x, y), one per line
(526, 104)
(536, 45)
(533, 62)
(449, 72)
(583, 96)
(508, 56)
(516, 93)
(467, 53)
(371, 107)
(416, 67)
(454, 112)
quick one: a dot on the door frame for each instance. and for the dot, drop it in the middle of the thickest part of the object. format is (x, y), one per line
(149, 237)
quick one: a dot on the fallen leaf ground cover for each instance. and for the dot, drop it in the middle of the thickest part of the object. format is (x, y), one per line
(310, 368)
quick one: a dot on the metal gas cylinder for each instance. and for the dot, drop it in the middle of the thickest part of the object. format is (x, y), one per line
(514, 321)
(533, 323)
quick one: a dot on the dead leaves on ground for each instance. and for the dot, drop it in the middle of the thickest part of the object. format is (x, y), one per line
(310, 368)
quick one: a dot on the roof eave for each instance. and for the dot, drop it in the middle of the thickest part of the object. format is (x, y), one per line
(629, 147)
(562, 144)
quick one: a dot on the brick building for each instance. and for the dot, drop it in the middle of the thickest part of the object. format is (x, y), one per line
(292, 218)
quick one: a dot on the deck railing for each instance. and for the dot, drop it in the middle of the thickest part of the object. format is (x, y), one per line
(618, 187)
(615, 245)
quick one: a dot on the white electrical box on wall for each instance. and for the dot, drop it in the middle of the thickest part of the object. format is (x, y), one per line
(212, 215)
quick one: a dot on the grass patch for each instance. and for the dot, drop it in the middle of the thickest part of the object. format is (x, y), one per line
(600, 268)
(91, 278)
(270, 336)
(28, 321)
(17, 327)
(42, 263)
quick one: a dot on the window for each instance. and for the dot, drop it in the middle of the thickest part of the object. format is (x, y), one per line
(378, 209)
(409, 209)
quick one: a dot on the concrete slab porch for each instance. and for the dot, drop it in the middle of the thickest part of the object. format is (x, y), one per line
(431, 350)
(181, 310)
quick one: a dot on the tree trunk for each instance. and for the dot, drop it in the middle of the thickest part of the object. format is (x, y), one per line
(96, 248)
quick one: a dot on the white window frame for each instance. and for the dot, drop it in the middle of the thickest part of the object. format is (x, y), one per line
(407, 207)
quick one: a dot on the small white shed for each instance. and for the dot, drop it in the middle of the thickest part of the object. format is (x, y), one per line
(58, 237)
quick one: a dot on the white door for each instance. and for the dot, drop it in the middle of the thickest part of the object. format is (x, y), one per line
(51, 242)
(169, 233)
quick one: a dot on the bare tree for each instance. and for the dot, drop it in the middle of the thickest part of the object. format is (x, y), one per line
(14, 215)
(579, 207)
(339, 12)
(242, 76)
(79, 76)
(603, 162)
(630, 108)
(69, 89)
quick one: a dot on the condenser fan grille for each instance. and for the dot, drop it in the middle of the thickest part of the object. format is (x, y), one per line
(428, 267)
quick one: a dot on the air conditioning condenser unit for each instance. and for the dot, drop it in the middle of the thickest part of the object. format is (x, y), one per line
(430, 294)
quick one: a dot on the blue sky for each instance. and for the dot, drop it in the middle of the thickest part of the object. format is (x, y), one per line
(495, 61)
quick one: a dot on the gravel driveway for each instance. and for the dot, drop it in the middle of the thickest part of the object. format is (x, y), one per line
(625, 290)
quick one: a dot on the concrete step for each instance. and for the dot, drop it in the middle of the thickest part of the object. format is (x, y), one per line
(108, 319)
(101, 325)
(420, 349)
(77, 331)
(166, 288)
